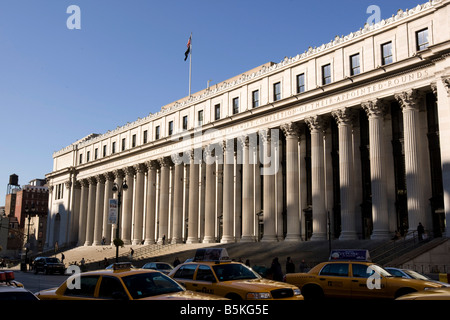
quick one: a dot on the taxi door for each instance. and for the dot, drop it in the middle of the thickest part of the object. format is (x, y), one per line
(334, 280)
(205, 281)
(366, 282)
(185, 276)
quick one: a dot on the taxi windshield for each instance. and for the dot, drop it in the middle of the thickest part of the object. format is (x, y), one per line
(226, 272)
(150, 284)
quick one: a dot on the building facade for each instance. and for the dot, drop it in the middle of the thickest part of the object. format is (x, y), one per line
(351, 134)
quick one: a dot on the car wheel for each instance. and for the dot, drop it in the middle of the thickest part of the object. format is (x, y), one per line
(312, 292)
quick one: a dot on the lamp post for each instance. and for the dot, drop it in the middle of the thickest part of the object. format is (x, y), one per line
(119, 189)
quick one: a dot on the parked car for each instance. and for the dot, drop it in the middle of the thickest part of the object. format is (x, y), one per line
(11, 290)
(163, 267)
(411, 274)
(48, 265)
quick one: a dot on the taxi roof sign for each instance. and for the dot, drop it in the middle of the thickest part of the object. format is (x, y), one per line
(211, 254)
(349, 255)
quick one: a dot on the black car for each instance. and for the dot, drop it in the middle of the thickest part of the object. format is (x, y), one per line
(48, 265)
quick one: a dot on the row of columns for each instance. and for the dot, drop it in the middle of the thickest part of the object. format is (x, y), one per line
(239, 206)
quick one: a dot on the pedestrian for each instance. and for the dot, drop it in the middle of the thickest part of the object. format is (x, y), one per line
(420, 231)
(164, 239)
(277, 274)
(103, 241)
(247, 263)
(105, 262)
(131, 253)
(62, 257)
(290, 266)
(303, 266)
(176, 262)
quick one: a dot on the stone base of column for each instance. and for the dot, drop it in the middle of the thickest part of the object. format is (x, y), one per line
(380, 235)
(248, 239)
(227, 239)
(293, 238)
(127, 242)
(87, 243)
(176, 240)
(271, 238)
(209, 240)
(348, 235)
(136, 242)
(96, 243)
(192, 240)
(149, 242)
(319, 236)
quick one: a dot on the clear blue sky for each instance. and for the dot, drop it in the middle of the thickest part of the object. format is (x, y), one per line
(127, 60)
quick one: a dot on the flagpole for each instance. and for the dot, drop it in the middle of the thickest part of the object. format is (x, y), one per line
(190, 65)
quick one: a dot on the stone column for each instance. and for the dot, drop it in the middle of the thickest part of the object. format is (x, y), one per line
(408, 101)
(83, 211)
(139, 203)
(317, 126)
(99, 202)
(210, 196)
(344, 118)
(165, 164)
(269, 188)
(228, 191)
(127, 212)
(291, 131)
(90, 211)
(375, 111)
(109, 182)
(76, 208)
(248, 210)
(150, 205)
(193, 198)
(178, 202)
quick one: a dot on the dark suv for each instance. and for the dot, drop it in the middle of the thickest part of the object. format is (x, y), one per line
(48, 265)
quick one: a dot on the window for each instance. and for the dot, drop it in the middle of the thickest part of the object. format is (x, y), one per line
(123, 144)
(255, 99)
(200, 118)
(157, 133)
(81, 159)
(88, 156)
(95, 153)
(113, 147)
(235, 105)
(145, 136)
(326, 74)
(185, 272)
(386, 53)
(355, 67)
(277, 91)
(111, 288)
(301, 83)
(170, 128)
(335, 270)
(217, 112)
(104, 150)
(133, 141)
(422, 39)
(87, 287)
(185, 122)
(204, 273)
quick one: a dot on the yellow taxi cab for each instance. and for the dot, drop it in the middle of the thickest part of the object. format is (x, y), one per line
(121, 283)
(431, 294)
(212, 272)
(351, 274)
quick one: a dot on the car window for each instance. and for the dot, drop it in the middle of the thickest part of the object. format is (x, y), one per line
(232, 271)
(335, 270)
(53, 260)
(186, 272)
(17, 296)
(110, 286)
(204, 273)
(396, 273)
(143, 285)
(163, 266)
(86, 288)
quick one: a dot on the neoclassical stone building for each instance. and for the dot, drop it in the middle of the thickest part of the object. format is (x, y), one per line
(353, 134)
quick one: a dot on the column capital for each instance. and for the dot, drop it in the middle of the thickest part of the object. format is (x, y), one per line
(100, 178)
(317, 123)
(77, 185)
(291, 129)
(109, 176)
(92, 181)
(152, 165)
(264, 135)
(408, 99)
(374, 108)
(446, 82)
(119, 173)
(84, 183)
(344, 116)
(140, 167)
(129, 171)
(165, 162)
(68, 184)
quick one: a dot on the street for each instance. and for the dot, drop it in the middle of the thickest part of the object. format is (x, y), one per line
(40, 281)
